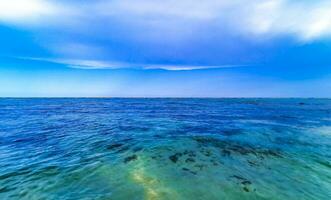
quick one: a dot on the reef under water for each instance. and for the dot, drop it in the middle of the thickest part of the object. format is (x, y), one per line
(165, 149)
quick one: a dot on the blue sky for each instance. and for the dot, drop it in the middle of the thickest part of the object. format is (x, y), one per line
(165, 48)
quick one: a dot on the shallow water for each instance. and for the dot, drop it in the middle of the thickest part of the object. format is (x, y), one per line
(165, 149)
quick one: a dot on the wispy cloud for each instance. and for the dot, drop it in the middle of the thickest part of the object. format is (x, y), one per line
(97, 64)
(214, 32)
(306, 20)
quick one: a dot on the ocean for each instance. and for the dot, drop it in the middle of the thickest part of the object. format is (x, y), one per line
(194, 149)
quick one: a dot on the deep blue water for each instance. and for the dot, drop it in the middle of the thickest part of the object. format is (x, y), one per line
(83, 148)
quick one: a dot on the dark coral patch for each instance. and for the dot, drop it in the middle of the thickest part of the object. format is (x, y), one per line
(114, 146)
(174, 158)
(189, 160)
(188, 170)
(245, 189)
(130, 158)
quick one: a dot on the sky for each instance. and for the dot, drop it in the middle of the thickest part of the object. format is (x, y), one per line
(165, 48)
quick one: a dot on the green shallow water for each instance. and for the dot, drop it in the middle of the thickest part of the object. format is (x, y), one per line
(165, 149)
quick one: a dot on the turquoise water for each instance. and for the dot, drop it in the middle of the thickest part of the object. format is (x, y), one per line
(165, 149)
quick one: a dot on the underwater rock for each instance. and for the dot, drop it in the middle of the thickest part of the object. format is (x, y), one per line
(245, 189)
(206, 152)
(242, 150)
(5, 189)
(252, 163)
(124, 149)
(323, 163)
(204, 140)
(199, 166)
(243, 181)
(156, 157)
(215, 163)
(189, 153)
(130, 158)
(174, 158)
(246, 182)
(189, 160)
(238, 177)
(114, 146)
(188, 170)
(273, 153)
(231, 147)
(226, 152)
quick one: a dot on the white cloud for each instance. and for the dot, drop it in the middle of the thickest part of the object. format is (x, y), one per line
(319, 23)
(305, 21)
(98, 64)
(184, 9)
(148, 21)
(23, 11)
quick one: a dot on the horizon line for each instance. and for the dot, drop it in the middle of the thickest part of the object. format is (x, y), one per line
(139, 97)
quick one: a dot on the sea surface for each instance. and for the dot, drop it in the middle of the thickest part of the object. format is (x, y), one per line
(155, 149)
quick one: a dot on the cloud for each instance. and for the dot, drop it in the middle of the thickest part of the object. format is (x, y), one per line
(210, 32)
(307, 21)
(157, 9)
(26, 11)
(302, 19)
(97, 64)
